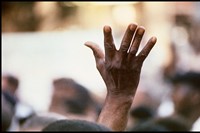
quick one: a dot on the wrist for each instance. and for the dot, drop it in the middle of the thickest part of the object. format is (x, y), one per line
(115, 100)
(120, 94)
(114, 113)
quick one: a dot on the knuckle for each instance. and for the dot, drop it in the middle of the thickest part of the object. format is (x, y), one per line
(99, 65)
(143, 56)
(116, 65)
(109, 66)
(109, 46)
(133, 51)
(124, 47)
(137, 67)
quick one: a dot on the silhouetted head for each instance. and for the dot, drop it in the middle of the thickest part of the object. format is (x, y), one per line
(139, 114)
(186, 92)
(189, 78)
(147, 126)
(172, 123)
(10, 83)
(142, 112)
(72, 99)
(162, 124)
(38, 121)
(75, 125)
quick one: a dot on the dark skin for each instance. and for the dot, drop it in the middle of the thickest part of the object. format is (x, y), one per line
(120, 70)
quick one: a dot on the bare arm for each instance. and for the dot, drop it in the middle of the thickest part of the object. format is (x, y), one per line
(120, 70)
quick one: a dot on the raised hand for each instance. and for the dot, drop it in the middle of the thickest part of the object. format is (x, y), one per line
(120, 70)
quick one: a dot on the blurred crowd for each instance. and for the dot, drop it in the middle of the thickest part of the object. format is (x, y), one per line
(177, 110)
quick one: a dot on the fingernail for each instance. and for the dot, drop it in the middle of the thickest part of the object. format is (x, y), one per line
(133, 27)
(107, 28)
(154, 39)
(86, 43)
(141, 30)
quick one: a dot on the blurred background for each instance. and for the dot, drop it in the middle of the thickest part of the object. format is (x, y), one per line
(42, 41)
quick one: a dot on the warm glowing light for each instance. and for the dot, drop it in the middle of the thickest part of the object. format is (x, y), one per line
(103, 3)
(124, 14)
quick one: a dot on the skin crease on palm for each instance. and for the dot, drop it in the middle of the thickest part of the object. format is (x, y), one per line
(120, 70)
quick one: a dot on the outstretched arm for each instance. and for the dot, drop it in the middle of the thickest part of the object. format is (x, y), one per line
(120, 70)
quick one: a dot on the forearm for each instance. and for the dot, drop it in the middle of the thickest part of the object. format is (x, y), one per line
(115, 112)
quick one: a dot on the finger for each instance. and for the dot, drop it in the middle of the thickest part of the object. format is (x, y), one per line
(136, 41)
(108, 43)
(126, 41)
(98, 53)
(146, 50)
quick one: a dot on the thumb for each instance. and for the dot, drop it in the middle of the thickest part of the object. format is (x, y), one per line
(98, 53)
